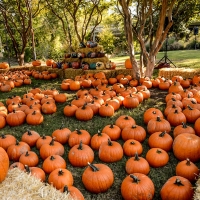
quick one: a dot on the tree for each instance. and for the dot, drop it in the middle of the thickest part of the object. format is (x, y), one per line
(17, 17)
(77, 16)
(151, 21)
(126, 13)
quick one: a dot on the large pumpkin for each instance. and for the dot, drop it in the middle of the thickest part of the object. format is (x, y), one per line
(4, 164)
(128, 64)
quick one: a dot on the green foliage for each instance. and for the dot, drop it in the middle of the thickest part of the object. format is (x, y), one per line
(107, 40)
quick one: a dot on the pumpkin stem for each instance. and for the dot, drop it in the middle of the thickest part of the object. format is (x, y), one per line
(17, 142)
(3, 136)
(109, 142)
(99, 133)
(158, 119)
(173, 106)
(52, 158)
(136, 156)
(176, 111)
(126, 117)
(184, 125)
(29, 132)
(188, 162)
(34, 112)
(27, 154)
(158, 151)
(65, 189)
(84, 106)
(78, 131)
(135, 178)
(189, 107)
(133, 126)
(43, 137)
(27, 168)
(80, 147)
(60, 172)
(111, 126)
(132, 142)
(52, 142)
(178, 182)
(154, 112)
(94, 168)
(162, 134)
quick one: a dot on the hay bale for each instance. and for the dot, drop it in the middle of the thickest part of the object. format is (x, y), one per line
(184, 72)
(60, 72)
(70, 60)
(72, 73)
(19, 185)
(95, 60)
(86, 50)
(197, 190)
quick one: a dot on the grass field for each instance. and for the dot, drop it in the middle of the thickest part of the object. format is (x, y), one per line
(181, 58)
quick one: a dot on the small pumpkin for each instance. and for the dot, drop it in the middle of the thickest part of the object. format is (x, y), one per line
(137, 186)
(79, 155)
(188, 170)
(131, 147)
(177, 187)
(97, 178)
(60, 177)
(53, 162)
(137, 164)
(110, 151)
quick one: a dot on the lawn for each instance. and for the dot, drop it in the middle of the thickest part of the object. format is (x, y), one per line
(52, 122)
(181, 58)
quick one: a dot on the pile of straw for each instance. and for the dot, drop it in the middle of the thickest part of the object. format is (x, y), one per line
(184, 72)
(86, 50)
(19, 185)
(197, 190)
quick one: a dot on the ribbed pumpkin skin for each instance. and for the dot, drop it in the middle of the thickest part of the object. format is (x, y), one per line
(60, 177)
(185, 146)
(97, 181)
(4, 164)
(110, 151)
(188, 170)
(177, 192)
(142, 190)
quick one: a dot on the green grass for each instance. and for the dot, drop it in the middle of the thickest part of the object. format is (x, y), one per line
(52, 122)
(181, 58)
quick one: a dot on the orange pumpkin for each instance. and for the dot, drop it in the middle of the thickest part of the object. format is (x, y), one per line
(128, 64)
(4, 65)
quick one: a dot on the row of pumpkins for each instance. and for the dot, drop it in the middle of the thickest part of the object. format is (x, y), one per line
(9, 80)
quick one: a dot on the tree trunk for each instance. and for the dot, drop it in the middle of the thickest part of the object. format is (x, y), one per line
(150, 65)
(21, 59)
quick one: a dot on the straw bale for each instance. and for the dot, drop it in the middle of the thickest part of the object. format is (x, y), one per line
(72, 73)
(60, 72)
(19, 185)
(95, 60)
(184, 72)
(72, 60)
(86, 50)
(197, 190)
(124, 71)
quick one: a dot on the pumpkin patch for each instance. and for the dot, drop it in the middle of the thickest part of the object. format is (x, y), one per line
(72, 129)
